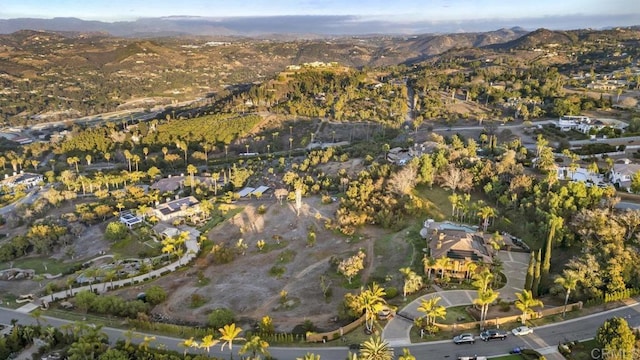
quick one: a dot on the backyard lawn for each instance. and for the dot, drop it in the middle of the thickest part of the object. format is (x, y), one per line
(42, 265)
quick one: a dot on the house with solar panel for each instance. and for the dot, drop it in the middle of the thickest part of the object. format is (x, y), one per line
(181, 207)
(451, 251)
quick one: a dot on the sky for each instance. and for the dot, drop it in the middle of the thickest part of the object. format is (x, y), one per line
(366, 10)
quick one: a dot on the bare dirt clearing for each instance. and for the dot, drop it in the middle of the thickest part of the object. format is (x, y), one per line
(247, 287)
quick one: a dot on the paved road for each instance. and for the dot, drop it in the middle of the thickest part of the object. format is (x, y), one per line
(545, 338)
(627, 205)
(31, 196)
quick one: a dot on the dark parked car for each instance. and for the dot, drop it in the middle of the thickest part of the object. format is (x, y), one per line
(493, 334)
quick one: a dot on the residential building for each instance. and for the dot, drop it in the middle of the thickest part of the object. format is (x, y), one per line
(25, 179)
(460, 248)
(177, 208)
(621, 174)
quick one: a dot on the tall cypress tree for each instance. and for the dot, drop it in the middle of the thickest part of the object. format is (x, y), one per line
(555, 223)
(530, 271)
(536, 275)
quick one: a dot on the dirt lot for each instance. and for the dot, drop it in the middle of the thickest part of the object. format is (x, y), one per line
(86, 245)
(245, 285)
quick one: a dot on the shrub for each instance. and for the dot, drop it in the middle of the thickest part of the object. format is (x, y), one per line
(220, 317)
(262, 209)
(277, 271)
(533, 353)
(391, 292)
(155, 295)
(504, 306)
(197, 300)
(116, 231)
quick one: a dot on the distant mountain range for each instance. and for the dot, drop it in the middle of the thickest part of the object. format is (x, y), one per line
(298, 26)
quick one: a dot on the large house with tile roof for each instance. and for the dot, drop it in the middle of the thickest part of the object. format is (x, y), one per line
(451, 252)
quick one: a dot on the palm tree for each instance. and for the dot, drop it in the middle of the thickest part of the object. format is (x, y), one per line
(73, 160)
(432, 310)
(526, 303)
(470, 267)
(375, 349)
(484, 299)
(370, 302)
(191, 169)
(127, 156)
(207, 342)
(406, 355)
(569, 281)
(483, 279)
(309, 356)
(108, 278)
(146, 341)
(428, 262)
(412, 281)
(485, 213)
(37, 316)
(229, 333)
(136, 160)
(454, 199)
(443, 264)
(256, 346)
(188, 343)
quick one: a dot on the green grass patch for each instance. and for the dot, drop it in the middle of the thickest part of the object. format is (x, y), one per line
(271, 245)
(42, 265)
(356, 282)
(219, 218)
(507, 357)
(131, 246)
(414, 335)
(277, 271)
(197, 301)
(435, 202)
(82, 317)
(357, 336)
(581, 350)
(457, 314)
(9, 301)
(286, 256)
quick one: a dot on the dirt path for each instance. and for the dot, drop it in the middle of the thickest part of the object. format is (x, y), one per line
(370, 259)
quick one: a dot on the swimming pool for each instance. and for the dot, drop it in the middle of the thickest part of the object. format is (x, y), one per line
(450, 226)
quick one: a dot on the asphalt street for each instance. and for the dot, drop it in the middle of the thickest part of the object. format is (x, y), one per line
(544, 338)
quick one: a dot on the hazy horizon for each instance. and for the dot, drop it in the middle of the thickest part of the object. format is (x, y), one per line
(324, 17)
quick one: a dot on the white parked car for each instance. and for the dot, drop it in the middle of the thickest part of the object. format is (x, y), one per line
(522, 330)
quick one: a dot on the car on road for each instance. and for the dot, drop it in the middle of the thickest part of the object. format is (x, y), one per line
(465, 338)
(522, 330)
(493, 334)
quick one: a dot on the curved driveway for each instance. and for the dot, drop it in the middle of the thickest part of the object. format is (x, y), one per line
(396, 332)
